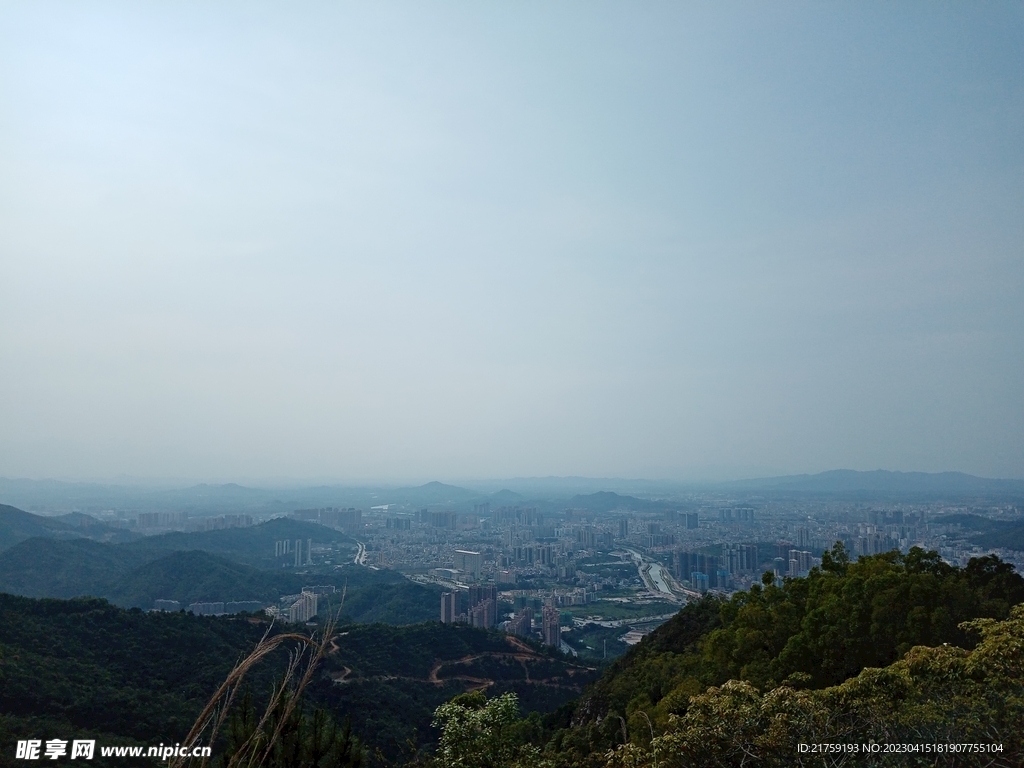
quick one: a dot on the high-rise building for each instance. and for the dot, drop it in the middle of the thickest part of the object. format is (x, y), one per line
(522, 624)
(552, 619)
(450, 607)
(800, 562)
(692, 520)
(303, 609)
(469, 562)
(483, 615)
(446, 520)
(485, 595)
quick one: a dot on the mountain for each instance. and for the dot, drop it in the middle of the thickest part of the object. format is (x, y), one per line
(884, 482)
(17, 525)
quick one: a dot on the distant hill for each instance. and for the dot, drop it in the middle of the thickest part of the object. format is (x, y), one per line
(884, 482)
(431, 493)
(1009, 538)
(194, 576)
(606, 501)
(17, 525)
(252, 545)
(505, 498)
(134, 578)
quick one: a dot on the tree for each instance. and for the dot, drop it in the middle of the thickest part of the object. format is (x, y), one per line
(477, 733)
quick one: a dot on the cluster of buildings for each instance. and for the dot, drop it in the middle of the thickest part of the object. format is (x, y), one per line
(477, 605)
(300, 608)
(156, 522)
(210, 609)
(294, 551)
(523, 624)
(342, 518)
(296, 609)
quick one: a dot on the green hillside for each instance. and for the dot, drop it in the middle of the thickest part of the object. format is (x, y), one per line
(395, 677)
(46, 567)
(86, 667)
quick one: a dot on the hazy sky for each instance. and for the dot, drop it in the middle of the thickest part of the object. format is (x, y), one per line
(454, 240)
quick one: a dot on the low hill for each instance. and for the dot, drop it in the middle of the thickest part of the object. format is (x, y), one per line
(84, 666)
(195, 576)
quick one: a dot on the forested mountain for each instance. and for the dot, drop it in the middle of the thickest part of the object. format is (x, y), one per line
(86, 667)
(83, 668)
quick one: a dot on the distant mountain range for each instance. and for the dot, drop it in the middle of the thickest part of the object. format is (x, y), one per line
(882, 481)
(205, 499)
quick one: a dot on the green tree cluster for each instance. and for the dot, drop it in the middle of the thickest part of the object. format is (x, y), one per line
(933, 696)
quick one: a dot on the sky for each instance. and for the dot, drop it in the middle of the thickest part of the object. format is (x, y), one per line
(414, 241)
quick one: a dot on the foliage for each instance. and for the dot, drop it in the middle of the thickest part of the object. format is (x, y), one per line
(477, 733)
(299, 740)
(403, 602)
(392, 679)
(103, 669)
(940, 695)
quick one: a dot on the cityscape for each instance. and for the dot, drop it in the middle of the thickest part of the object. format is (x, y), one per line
(601, 566)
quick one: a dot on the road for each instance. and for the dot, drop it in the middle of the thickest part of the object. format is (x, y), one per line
(654, 578)
(360, 558)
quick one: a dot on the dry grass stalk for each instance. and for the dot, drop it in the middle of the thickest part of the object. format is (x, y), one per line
(252, 753)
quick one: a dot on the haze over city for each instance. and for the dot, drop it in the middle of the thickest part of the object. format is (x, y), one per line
(398, 243)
